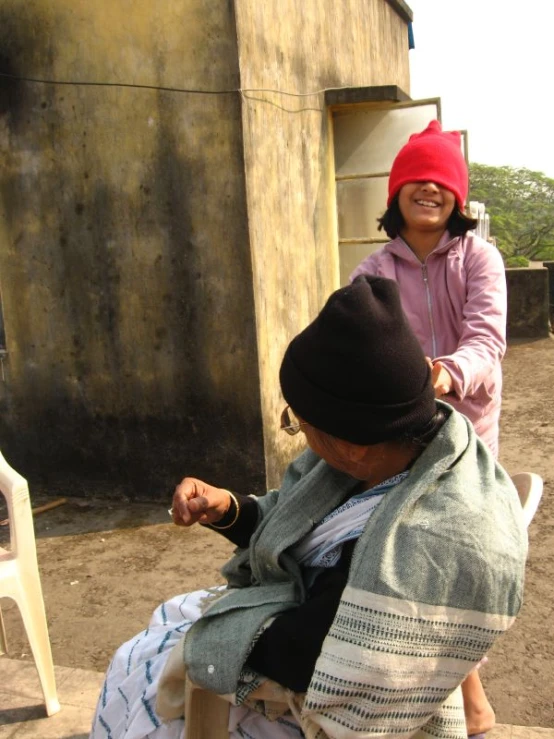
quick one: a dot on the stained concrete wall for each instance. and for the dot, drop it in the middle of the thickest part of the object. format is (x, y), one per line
(550, 267)
(158, 249)
(300, 47)
(528, 308)
(125, 264)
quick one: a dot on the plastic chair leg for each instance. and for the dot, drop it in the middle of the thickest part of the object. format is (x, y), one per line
(31, 606)
(206, 714)
(3, 639)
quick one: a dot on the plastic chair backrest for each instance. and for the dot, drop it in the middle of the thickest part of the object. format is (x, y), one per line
(16, 492)
(529, 487)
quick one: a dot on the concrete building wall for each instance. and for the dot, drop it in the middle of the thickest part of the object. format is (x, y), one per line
(550, 267)
(304, 47)
(159, 248)
(125, 264)
(528, 309)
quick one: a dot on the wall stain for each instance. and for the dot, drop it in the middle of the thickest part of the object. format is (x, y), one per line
(111, 390)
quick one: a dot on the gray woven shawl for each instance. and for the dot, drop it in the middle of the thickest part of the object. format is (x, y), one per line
(436, 576)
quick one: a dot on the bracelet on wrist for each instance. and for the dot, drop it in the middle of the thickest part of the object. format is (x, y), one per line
(223, 523)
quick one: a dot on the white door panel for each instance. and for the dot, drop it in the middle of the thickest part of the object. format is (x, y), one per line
(360, 204)
(366, 140)
(351, 255)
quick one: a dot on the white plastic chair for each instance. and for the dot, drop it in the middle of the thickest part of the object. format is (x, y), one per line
(529, 488)
(207, 714)
(19, 580)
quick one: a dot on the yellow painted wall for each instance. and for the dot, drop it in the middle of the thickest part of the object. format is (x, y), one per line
(300, 47)
(158, 249)
(125, 266)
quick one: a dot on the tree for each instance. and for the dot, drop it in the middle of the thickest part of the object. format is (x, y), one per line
(520, 204)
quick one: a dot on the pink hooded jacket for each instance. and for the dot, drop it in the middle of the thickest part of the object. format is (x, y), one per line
(456, 304)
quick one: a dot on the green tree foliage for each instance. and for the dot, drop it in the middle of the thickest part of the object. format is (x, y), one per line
(520, 204)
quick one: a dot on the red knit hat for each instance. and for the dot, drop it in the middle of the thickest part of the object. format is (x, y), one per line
(433, 155)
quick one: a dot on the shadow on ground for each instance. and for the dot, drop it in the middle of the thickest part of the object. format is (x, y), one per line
(81, 516)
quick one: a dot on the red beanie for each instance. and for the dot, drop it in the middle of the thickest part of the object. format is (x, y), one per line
(433, 155)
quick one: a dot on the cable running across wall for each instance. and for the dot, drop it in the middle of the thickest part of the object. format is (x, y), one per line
(161, 88)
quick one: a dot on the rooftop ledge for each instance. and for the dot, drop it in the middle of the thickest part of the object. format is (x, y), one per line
(403, 10)
(360, 95)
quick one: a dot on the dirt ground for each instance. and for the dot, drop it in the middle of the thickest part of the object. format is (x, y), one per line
(106, 566)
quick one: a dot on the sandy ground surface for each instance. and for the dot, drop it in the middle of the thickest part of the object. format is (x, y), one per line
(106, 566)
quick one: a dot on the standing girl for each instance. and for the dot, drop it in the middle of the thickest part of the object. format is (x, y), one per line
(453, 291)
(452, 283)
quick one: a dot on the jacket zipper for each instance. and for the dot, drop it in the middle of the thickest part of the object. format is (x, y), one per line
(429, 301)
(429, 308)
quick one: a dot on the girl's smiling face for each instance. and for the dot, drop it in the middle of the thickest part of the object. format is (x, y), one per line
(425, 206)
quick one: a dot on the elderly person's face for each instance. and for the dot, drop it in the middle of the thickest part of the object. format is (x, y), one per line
(361, 462)
(371, 463)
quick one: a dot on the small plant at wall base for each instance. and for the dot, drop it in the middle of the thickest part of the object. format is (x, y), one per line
(520, 204)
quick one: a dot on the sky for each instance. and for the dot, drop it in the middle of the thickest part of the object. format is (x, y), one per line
(491, 62)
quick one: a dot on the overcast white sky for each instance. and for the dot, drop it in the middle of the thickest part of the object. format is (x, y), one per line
(492, 64)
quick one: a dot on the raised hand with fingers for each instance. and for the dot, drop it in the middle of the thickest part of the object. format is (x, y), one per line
(195, 501)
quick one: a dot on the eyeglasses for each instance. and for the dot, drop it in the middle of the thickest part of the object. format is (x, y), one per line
(289, 423)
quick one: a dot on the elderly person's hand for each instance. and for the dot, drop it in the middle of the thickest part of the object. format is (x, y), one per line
(194, 501)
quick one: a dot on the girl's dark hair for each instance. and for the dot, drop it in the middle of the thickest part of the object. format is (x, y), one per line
(392, 221)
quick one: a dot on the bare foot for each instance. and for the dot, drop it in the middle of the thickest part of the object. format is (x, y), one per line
(479, 714)
(479, 720)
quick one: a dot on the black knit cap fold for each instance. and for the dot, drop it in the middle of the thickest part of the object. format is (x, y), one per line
(357, 371)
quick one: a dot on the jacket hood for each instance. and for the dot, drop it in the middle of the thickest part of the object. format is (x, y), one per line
(401, 248)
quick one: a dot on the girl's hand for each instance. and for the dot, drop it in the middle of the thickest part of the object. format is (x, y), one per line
(195, 501)
(441, 379)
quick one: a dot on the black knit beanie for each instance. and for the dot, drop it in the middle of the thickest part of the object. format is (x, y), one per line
(357, 371)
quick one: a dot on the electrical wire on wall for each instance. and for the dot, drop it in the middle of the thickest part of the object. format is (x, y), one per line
(246, 93)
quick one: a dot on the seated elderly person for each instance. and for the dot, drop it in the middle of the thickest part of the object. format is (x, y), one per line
(369, 585)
